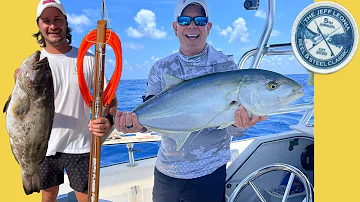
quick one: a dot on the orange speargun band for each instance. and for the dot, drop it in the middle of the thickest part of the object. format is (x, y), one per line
(89, 40)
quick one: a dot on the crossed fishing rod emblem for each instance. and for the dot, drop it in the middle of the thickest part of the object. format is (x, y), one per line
(316, 38)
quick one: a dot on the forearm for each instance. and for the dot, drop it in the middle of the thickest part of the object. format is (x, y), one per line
(112, 107)
(110, 111)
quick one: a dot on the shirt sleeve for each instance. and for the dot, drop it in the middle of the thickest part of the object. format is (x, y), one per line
(234, 131)
(154, 81)
(230, 65)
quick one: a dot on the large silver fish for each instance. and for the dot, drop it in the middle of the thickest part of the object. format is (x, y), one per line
(211, 101)
(29, 118)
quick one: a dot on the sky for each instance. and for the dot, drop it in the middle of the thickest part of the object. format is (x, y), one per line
(146, 34)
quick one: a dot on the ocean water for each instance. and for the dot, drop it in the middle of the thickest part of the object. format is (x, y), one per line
(129, 95)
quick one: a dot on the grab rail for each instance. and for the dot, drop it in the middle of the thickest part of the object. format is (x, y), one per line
(309, 107)
(265, 35)
(275, 49)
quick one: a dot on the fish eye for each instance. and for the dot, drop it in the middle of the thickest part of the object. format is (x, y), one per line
(272, 85)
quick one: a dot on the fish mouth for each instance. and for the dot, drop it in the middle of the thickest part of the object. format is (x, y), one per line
(39, 63)
(36, 57)
(291, 98)
(295, 94)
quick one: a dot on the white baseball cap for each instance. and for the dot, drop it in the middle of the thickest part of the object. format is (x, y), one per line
(49, 3)
(183, 3)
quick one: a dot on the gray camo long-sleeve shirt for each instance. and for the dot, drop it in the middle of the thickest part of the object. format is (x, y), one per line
(211, 148)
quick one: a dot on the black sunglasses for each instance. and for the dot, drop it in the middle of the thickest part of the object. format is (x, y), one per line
(186, 20)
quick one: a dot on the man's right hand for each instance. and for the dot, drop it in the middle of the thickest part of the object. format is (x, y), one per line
(127, 122)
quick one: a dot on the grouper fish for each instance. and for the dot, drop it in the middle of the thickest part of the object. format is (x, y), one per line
(210, 101)
(340, 40)
(29, 118)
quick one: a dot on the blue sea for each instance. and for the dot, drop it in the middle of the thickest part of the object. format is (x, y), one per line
(129, 94)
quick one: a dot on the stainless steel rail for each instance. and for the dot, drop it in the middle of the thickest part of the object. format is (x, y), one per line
(265, 35)
(276, 49)
(269, 168)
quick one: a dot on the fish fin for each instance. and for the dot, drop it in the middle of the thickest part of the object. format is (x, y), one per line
(180, 139)
(233, 97)
(31, 183)
(12, 150)
(171, 81)
(21, 107)
(230, 106)
(225, 125)
(178, 136)
(7, 104)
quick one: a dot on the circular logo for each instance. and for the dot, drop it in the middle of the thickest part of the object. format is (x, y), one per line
(324, 37)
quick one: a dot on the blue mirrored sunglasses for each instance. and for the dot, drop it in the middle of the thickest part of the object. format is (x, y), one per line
(186, 20)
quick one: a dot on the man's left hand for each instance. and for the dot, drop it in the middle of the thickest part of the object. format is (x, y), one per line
(99, 127)
(243, 121)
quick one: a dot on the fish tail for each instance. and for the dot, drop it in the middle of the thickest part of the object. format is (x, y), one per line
(31, 183)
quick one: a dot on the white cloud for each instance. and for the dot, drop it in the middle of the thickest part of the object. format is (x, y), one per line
(144, 65)
(274, 33)
(260, 14)
(237, 33)
(109, 48)
(154, 59)
(139, 66)
(78, 22)
(133, 46)
(292, 58)
(146, 26)
(92, 12)
(134, 33)
(277, 60)
(226, 31)
(127, 65)
(111, 62)
(287, 64)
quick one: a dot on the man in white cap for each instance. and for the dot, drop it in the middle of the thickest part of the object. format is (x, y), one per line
(69, 143)
(197, 171)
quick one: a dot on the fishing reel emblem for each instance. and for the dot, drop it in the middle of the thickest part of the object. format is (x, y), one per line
(324, 37)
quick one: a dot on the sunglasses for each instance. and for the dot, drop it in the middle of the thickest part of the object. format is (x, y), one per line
(186, 20)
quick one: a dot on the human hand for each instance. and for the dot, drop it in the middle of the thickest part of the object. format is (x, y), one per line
(127, 122)
(99, 127)
(243, 121)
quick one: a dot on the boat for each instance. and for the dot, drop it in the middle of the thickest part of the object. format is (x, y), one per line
(276, 167)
